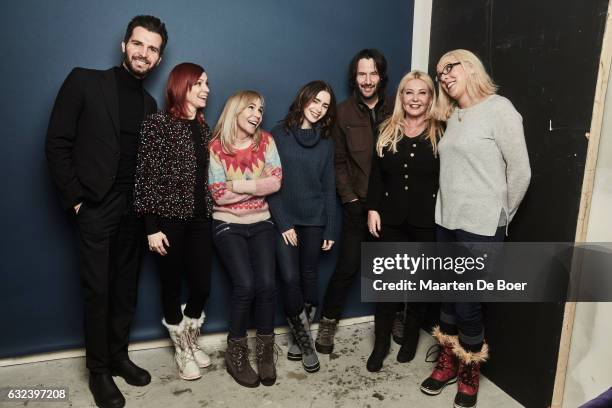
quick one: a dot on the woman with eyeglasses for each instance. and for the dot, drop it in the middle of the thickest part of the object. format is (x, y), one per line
(402, 196)
(484, 175)
(244, 169)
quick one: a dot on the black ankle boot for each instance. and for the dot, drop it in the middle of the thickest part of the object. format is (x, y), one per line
(131, 373)
(381, 349)
(105, 391)
(410, 339)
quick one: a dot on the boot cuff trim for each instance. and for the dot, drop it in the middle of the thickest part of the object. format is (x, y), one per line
(445, 339)
(194, 323)
(468, 357)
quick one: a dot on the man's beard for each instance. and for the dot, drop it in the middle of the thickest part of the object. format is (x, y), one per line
(127, 63)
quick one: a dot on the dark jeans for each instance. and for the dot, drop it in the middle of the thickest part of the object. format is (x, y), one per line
(189, 256)
(247, 253)
(298, 266)
(403, 233)
(465, 318)
(110, 242)
(354, 232)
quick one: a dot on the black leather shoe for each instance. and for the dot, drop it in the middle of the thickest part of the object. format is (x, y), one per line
(131, 373)
(105, 391)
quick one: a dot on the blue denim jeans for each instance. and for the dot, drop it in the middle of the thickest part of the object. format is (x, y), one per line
(247, 253)
(299, 268)
(465, 318)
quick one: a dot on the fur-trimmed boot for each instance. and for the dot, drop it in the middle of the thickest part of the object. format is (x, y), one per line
(192, 332)
(266, 364)
(445, 372)
(294, 353)
(469, 375)
(300, 327)
(183, 356)
(237, 363)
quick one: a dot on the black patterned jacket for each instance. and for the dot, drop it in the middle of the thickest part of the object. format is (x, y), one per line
(166, 168)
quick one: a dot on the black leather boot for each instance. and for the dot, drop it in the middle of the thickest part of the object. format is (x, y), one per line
(105, 391)
(130, 372)
(383, 322)
(410, 339)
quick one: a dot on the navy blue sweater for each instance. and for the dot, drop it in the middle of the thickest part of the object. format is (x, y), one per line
(308, 194)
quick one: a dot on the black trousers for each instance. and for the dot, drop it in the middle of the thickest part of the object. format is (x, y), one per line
(189, 256)
(110, 243)
(385, 311)
(354, 232)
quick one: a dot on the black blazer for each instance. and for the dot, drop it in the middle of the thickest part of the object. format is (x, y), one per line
(403, 186)
(82, 144)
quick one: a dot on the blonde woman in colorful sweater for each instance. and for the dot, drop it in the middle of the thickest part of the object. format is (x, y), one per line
(244, 169)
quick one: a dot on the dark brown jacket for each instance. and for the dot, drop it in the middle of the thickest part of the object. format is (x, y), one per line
(354, 145)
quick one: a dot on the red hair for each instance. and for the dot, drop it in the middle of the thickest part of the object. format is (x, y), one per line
(181, 79)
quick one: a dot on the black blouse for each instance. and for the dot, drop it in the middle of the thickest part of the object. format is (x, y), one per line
(403, 185)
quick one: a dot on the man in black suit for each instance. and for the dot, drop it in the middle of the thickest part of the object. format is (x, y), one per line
(91, 148)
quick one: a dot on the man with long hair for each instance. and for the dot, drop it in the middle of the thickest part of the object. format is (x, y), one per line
(354, 134)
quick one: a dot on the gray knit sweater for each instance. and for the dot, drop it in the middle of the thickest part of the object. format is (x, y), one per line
(484, 167)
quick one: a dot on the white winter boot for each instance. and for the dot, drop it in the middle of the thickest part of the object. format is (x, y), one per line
(187, 366)
(192, 329)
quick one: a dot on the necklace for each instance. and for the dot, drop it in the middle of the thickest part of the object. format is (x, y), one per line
(460, 114)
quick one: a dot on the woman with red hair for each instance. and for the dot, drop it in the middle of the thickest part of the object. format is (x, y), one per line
(171, 192)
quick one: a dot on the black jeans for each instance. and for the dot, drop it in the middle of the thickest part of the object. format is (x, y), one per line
(247, 253)
(403, 233)
(299, 268)
(354, 232)
(110, 243)
(189, 256)
(465, 318)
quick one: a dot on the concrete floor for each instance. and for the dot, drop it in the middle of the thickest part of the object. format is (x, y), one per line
(343, 381)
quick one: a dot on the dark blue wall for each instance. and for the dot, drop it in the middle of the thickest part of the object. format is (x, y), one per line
(270, 46)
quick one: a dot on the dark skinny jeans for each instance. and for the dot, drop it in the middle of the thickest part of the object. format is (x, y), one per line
(299, 267)
(465, 318)
(247, 254)
(189, 256)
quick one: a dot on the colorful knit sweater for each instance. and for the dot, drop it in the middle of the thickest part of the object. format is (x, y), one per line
(254, 174)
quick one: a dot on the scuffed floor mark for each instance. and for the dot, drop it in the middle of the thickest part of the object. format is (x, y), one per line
(378, 396)
(333, 356)
(179, 392)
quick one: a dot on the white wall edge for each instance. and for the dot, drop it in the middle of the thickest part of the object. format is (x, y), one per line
(213, 341)
(421, 32)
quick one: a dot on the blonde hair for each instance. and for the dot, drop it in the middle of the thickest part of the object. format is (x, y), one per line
(392, 128)
(478, 82)
(227, 125)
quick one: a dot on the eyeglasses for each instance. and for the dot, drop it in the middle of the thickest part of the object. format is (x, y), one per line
(446, 70)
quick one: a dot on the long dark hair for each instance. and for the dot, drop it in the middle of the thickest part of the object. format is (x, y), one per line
(381, 67)
(305, 95)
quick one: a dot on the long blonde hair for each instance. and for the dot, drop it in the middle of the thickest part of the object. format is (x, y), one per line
(392, 128)
(478, 82)
(227, 126)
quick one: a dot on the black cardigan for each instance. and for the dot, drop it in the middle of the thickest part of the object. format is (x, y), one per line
(166, 169)
(402, 186)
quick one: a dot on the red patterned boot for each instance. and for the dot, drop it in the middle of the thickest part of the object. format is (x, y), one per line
(445, 372)
(469, 375)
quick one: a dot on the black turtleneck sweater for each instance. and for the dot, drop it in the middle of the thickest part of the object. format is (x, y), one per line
(131, 114)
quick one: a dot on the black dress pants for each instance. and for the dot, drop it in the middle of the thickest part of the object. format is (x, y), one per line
(110, 243)
(354, 232)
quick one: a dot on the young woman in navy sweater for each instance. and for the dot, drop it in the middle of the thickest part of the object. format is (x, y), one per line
(304, 209)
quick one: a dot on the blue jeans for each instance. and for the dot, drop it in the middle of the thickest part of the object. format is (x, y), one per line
(465, 318)
(247, 253)
(299, 268)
